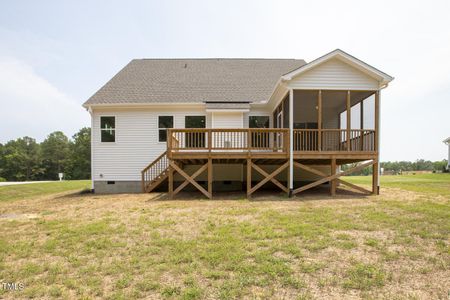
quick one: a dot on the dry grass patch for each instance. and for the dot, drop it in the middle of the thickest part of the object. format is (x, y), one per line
(142, 246)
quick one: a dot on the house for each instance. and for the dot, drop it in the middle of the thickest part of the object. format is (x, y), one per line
(233, 124)
(447, 142)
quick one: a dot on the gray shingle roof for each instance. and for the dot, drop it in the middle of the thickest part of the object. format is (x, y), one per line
(194, 80)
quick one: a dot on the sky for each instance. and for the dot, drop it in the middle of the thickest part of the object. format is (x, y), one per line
(55, 54)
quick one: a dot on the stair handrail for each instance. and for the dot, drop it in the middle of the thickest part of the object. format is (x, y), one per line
(154, 169)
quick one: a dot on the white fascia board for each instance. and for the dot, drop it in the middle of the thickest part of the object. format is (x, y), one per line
(142, 105)
(227, 110)
(278, 96)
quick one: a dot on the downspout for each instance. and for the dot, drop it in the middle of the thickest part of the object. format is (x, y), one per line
(291, 141)
(91, 112)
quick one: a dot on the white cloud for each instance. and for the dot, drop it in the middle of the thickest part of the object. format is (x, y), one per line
(30, 105)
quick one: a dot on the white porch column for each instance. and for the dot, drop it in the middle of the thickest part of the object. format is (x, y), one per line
(91, 112)
(291, 139)
(377, 128)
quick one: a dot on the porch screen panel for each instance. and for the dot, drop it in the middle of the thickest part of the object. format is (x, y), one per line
(286, 112)
(305, 120)
(369, 113)
(334, 114)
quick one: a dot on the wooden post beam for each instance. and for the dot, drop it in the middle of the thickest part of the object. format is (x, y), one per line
(333, 183)
(189, 178)
(269, 177)
(332, 177)
(193, 176)
(354, 186)
(210, 175)
(375, 190)
(249, 177)
(317, 172)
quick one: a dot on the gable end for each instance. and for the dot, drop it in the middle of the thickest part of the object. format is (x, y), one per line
(334, 74)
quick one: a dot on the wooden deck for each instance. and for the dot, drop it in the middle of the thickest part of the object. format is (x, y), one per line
(257, 147)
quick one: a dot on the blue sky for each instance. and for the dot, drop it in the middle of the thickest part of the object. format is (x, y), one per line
(56, 54)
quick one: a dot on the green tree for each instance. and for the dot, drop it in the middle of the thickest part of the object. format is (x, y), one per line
(2, 161)
(55, 154)
(21, 160)
(422, 165)
(79, 165)
(439, 166)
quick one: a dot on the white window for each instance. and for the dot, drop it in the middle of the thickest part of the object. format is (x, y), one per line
(108, 129)
(164, 122)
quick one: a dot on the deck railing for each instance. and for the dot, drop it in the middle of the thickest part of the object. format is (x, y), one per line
(269, 140)
(313, 140)
(228, 140)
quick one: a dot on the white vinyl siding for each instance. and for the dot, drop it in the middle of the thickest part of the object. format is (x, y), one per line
(136, 141)
(227, 120)
(334, 74)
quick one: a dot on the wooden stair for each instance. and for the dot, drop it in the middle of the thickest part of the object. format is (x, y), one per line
(155, 173)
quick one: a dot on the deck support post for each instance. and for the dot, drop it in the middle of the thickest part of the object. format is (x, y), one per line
(375, 179)
(210, 177)
(291, 142)
(333, 183)
(170, 181)
(249, 177)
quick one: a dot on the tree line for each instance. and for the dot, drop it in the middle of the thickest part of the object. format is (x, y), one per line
(25, 159)
(397, 167)
(418, 165)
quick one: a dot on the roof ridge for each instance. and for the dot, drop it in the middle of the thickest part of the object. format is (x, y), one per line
(220, 58)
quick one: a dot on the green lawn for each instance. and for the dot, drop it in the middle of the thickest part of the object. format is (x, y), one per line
(395, 245)
(23, 191)
(438, 184)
